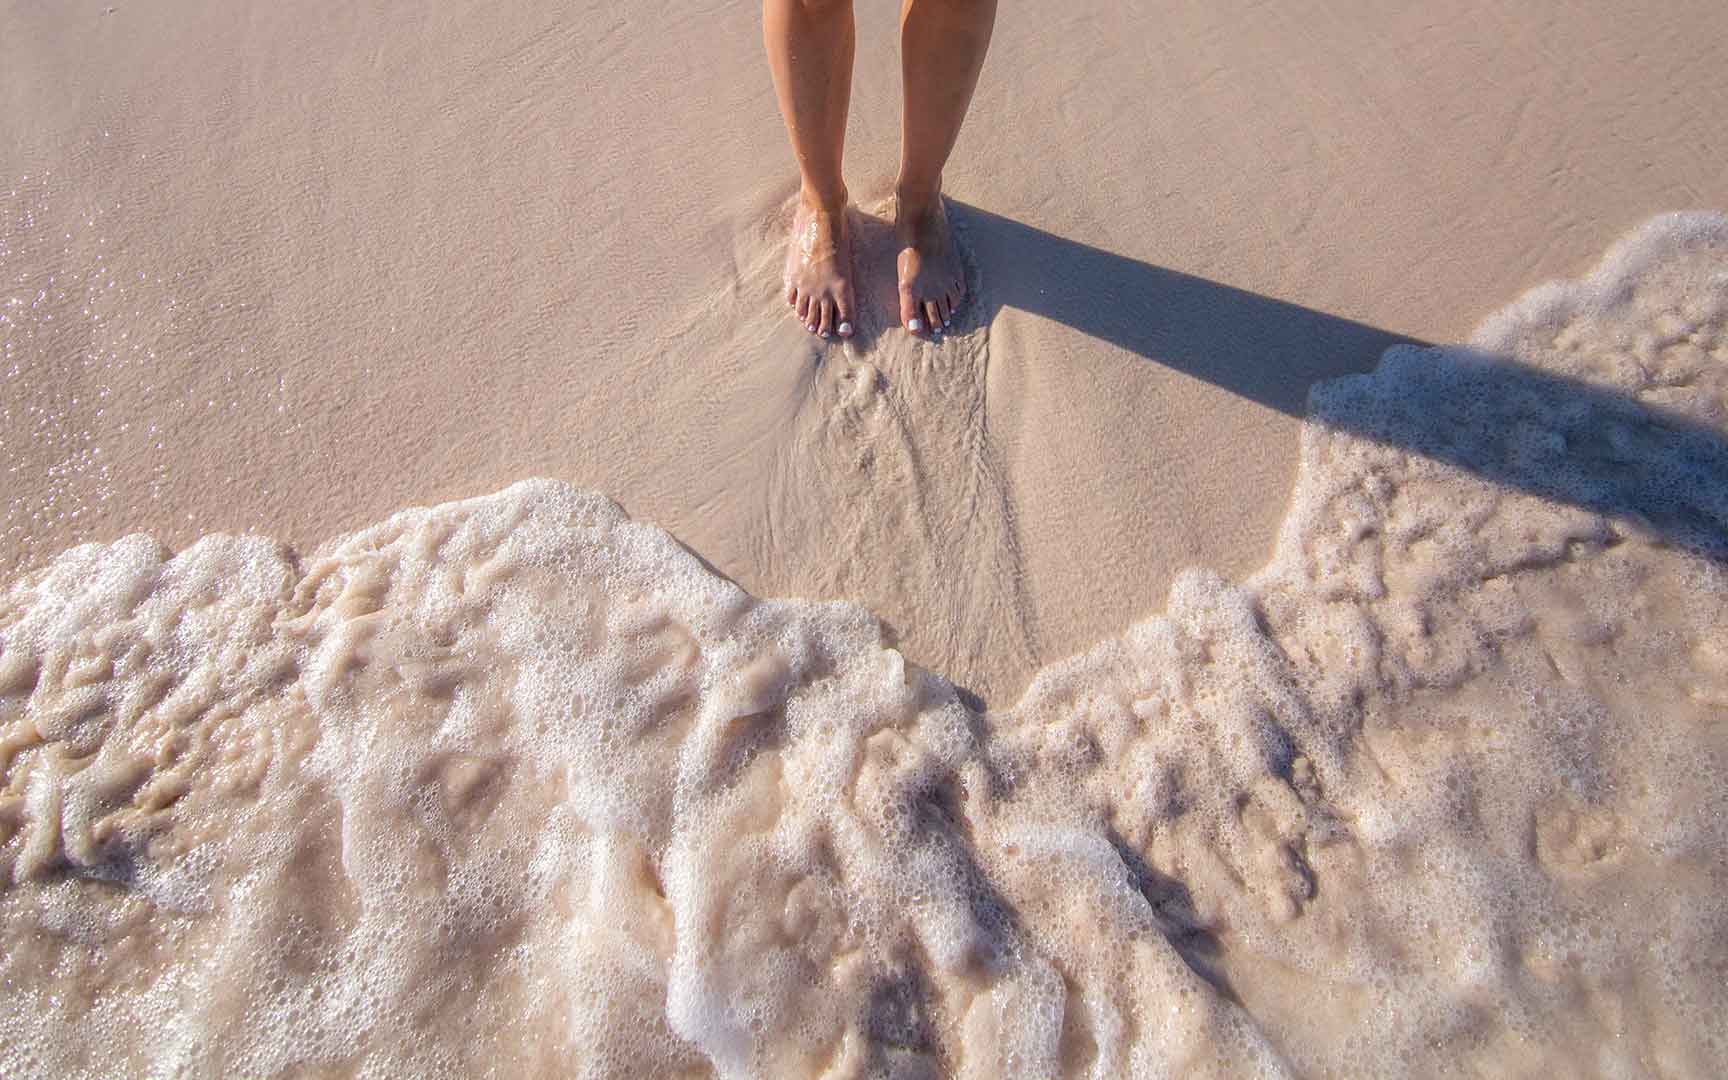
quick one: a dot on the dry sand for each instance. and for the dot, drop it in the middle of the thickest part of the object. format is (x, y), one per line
(286, 268)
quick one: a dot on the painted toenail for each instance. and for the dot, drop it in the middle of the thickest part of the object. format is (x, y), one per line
(845, 328)
(823, 334)
(915, 325)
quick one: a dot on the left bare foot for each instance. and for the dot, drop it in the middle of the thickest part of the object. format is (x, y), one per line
(932, 279)
(819, 266)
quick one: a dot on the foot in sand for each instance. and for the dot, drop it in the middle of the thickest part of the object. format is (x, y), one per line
(819, 267)
(932, 281)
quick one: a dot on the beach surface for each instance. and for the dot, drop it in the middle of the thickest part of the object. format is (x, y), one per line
(455, 621)
(286, 270)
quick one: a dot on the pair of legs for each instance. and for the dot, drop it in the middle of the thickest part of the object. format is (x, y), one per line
(810, 47)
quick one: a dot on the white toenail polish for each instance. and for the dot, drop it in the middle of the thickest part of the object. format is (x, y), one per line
(845, 328)
(946, 323)
(915, 325)
(824, 333)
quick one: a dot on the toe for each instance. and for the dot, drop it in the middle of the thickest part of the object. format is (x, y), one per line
(909, 315)
(934, 314)
(843, 309)
(791, 292)
(802, 305)
(825, 324)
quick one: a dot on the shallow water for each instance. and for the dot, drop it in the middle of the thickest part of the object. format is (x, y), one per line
(516, 785)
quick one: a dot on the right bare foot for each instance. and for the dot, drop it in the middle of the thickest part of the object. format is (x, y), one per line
(932, 278)
(819, 267)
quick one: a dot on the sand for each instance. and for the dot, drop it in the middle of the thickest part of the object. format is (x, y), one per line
(516, 786)
(286, 270)
(1181, 670)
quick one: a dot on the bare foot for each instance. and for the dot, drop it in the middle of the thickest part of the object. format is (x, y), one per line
(819, 268)
(932, 280)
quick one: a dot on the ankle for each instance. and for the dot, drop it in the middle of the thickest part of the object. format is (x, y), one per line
(825, 202)
(917, 200)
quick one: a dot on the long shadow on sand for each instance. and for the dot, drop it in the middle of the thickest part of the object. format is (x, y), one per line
(1506, 422)
(1262, 349)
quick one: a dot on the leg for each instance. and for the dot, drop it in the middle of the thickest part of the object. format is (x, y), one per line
(942, 46)
(810, 45)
